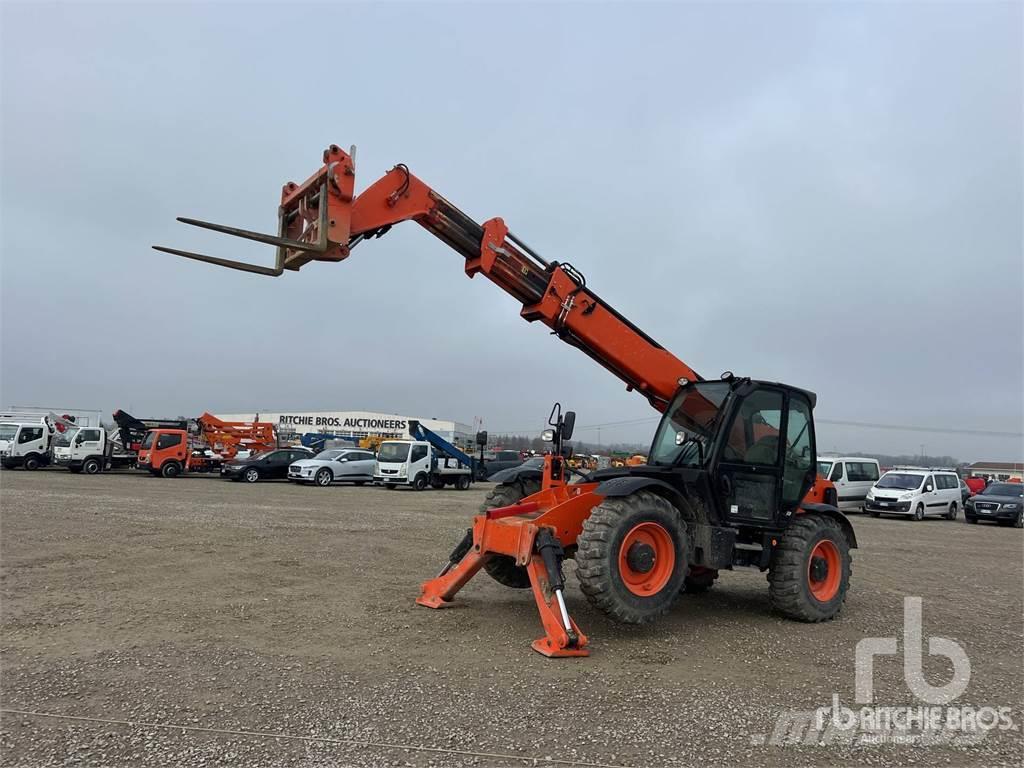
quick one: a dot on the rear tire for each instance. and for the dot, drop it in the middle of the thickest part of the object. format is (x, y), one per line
(462, 484)
(170, 469)
(503, 568)
(631, 560)
(951, 515)
(91, 466)
(810, 570)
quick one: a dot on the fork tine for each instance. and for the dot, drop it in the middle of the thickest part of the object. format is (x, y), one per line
(259, 237)
(239, 265)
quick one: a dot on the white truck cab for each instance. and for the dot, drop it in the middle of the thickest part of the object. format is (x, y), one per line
(24, 445)
(418, 464)
(90, 450)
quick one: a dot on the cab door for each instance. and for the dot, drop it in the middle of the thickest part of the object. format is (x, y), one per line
(749, 470)
(768, 459)
(88, 443)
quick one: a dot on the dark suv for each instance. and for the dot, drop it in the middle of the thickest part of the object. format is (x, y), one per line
(1002, 502)
(269, 465)
(502, 460)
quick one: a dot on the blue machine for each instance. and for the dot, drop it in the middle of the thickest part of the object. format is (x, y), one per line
(315, 440)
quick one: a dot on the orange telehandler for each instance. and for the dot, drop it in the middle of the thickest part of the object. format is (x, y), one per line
(730, 481)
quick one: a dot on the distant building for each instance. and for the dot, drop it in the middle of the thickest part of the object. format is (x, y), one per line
(358, 424)
(1001, 470)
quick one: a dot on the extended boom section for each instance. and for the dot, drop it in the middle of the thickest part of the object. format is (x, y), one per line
(323, 220)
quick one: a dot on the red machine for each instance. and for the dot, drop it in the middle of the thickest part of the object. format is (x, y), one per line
(731, 475)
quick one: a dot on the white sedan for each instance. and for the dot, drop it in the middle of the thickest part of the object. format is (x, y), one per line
(350, 465)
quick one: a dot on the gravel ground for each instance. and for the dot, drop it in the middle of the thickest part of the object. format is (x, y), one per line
(285, 610)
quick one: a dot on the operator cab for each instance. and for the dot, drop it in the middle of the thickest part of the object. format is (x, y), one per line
(746, 447)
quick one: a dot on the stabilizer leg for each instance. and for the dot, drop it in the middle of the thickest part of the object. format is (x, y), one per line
(439, 591)
(558, 641)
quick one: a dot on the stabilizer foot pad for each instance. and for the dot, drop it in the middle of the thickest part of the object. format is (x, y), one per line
(545, 647)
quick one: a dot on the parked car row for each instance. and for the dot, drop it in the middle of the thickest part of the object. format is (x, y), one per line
(919, 493)
(398, 463)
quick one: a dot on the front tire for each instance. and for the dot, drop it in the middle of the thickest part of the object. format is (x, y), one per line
(324, 477)
(31, 463)
(919, 513)
(420, 483)
(972, 520)
(631, 560)
(170, 469)
(251, 475)
(503, 568)
(91, 466)
(810, 570)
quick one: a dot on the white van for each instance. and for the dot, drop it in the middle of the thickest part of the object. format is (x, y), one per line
(915, 491)
(852, 476)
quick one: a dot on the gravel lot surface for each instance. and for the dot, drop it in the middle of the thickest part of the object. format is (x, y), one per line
(289, 610)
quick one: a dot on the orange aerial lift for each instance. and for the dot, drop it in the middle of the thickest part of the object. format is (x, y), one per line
(730, 480)
(170, 452)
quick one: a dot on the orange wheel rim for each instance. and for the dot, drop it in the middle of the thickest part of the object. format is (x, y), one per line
(823, 571)
(647, 559)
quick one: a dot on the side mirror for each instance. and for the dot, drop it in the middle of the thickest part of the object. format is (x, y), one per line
(567, 424)
(481, 438)
(680, 438)
(928, 489)
(343, 459)
(548, 435)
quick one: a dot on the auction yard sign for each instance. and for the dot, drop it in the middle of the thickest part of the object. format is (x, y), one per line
(343, 422)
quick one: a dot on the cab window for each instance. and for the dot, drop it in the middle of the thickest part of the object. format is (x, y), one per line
(799, 448)
(28, 434)
(168, 440)
(754, 436)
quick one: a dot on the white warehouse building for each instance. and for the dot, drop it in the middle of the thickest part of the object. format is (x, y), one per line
(356, 423)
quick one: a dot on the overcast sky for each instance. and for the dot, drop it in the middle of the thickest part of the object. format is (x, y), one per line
(827, 196)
